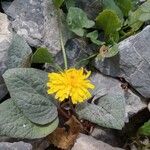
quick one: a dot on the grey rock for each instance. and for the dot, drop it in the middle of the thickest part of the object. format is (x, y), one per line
(36, 21)
(6, 4)
(149, 106)
(107, 85)
(15, 146)
(5, 42)
(77, 52)
(14, 51)
(37, 144)
(132, 62)
(142, 1)
(133, 147)
(106, 135)
(85, 142)
(92, 8)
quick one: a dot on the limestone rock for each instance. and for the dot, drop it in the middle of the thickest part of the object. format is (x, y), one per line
(36, 21)
(77, 52)
(132, 62)
(15, 146)
(85, 142)
(106, 135)
(14, 51)
(5, 41)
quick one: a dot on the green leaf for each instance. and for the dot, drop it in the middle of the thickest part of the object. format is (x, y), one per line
(145, 129)
(110, 23)
(42, 55)
(27, 88)
(108, 111)
(144, 17)
(145, 8)
(110, 4)
(77, 20)
(138, 17)
(134, 4)
(124, 5)
(14, 123)
(112, 51)
(93, 37)
(134, 21)
(58, 3)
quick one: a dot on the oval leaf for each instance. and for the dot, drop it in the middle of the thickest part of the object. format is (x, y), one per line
(13, 123)
(27, 88)
(77, 20)
(108, 112)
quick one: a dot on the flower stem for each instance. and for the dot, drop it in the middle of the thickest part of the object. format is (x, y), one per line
(61, 39)
(63, 51)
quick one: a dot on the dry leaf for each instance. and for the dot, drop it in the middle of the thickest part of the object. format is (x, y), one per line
(103, 50)
(64, 138)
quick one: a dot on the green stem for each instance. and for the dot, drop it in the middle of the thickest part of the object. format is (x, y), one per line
(63, 51)
(61, 39)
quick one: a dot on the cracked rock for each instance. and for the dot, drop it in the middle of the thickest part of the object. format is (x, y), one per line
(36, 21)
(132, 63)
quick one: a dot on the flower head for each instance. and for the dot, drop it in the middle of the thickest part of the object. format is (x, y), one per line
(71, 83)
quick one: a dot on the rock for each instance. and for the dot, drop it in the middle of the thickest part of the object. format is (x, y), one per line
(5, 42)
(37, 144)
(14, 51)
(106, 85)
(106, 135)
(77, 52)
(92, 8)
(6, 4)
(149, 106)
(36, 21)
(85, 142)
(15, 146)
(132, 62)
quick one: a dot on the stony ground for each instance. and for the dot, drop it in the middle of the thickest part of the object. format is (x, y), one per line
(128, 73)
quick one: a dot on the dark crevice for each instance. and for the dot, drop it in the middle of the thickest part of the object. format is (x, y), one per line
(1, 9)
(130, 129)
(5, 98)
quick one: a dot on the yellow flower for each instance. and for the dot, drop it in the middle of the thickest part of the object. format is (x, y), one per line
(71, 83)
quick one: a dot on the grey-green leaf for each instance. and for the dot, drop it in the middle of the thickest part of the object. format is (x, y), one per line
(27, 87)
(112, 51)
(93, 37)
(107, 111)
(134, 21)
(139, 16)
(77, 20)
(13, 123)
(42, 55)
(19, 53)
